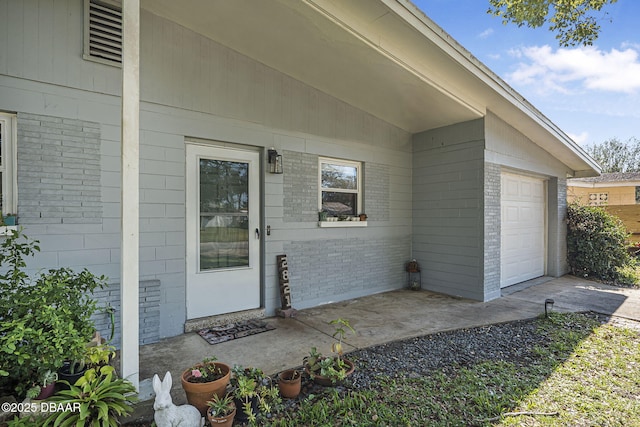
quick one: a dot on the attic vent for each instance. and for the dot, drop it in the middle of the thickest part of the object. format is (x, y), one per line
(103, 32)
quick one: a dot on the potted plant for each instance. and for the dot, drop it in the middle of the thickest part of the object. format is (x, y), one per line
(221, 411)
(363, 217)
(244, 388)
(330, 370)
(45, 388)
(99, 396)
(204, 380)
(45, 319)
(252, 393)
(289, 383)
(95, 356)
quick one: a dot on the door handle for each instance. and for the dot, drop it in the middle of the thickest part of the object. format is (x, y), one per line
(258, 233)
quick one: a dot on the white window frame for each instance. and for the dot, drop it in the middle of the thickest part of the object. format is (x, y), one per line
(8, 162)
(340, 162)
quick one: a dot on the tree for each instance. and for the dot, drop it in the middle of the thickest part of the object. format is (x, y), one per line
(573, 21)
(617, 156)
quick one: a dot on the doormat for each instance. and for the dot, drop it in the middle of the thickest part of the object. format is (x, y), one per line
(232, 331)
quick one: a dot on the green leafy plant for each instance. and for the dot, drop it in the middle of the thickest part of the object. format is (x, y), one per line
(334, 368)
(341, 326)
(48, 378)
(44, 320)
(205, 371)
(94, 356)
(253, 392)
(596, 244)
(221, 406)
(99, 396)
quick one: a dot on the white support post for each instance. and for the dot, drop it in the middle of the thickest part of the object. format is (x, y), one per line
(129, 268)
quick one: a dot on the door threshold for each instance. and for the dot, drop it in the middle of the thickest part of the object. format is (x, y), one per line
(193, 325)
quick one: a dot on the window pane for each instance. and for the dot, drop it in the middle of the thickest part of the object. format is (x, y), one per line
(337, 204)
(339, 176)
(224, 241)
(224, 221)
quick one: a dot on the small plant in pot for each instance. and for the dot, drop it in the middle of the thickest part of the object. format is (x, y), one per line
(253, 394)
(330, 370)
(204, 380)
(45, 388)
(100, 397)
(221, 411)
(94, 356)
(290, 383)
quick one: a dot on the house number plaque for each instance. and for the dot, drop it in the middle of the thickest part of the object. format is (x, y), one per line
(285, 289)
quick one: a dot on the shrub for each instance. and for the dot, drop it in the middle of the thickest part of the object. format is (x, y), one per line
(98, 399)
(44, 320)
(597, 244)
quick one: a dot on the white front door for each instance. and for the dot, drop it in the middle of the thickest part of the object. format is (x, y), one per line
(223, 237)
(523, 230)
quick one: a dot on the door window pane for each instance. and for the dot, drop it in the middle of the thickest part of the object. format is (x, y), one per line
(224, 220)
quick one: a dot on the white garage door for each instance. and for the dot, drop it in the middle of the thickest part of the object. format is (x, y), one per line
(523, 242)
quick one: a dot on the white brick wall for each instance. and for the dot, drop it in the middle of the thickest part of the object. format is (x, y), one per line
(492, 236)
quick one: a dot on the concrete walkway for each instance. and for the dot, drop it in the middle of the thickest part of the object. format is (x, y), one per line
(377, 319)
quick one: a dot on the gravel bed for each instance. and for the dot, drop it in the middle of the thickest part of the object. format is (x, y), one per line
(444, 351)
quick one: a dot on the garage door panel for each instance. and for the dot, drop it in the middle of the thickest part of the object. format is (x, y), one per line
(523, 228)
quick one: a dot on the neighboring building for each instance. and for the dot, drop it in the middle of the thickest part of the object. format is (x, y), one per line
(617, 188)
(372, 107)
(618, 192)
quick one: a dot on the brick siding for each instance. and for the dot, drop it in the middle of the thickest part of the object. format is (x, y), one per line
(58, 171)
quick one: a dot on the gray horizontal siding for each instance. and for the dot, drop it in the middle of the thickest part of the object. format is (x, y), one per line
(448, 208)
(226, 97)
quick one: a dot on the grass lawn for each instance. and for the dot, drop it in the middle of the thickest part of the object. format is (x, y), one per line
(583, 374)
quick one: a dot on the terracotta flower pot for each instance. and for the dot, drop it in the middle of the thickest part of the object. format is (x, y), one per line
(324, 381)
(290, 382)
(226, 421)
(198, 394)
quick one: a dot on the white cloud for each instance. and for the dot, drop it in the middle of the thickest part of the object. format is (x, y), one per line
(486, 33)
(570, 70)
(579, 138)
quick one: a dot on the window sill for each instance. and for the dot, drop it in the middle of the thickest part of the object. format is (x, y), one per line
(337, 224)
(5, 230)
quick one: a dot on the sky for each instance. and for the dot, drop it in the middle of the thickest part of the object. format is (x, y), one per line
(592, 93)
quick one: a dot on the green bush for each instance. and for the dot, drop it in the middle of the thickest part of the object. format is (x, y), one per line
(98, 399)
(44, 320)
(597, 244)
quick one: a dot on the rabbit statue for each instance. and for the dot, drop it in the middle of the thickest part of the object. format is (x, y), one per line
(166, 413)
